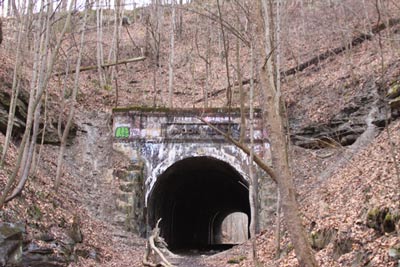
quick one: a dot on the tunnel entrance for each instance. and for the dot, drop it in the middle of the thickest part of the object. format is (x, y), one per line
(195, 197)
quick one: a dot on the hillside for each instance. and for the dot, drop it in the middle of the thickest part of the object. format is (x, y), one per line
(338, 63)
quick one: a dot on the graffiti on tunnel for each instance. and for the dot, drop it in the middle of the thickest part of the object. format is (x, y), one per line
(122, 132)
(191, 176)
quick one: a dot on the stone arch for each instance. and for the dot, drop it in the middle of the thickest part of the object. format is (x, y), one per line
(162, 156)
(192, 195)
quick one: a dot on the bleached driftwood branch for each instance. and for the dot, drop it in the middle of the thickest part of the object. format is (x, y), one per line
(155, 245)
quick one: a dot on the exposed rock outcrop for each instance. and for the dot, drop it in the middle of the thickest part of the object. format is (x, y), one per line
(50, 137)
(348, 124)
(55, 248)
(10, 243)
(393, 95)
(344, 128)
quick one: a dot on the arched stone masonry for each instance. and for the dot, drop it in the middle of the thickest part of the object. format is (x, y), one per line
(177, 159)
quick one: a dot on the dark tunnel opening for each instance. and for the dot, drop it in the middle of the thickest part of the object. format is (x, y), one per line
(193, 197)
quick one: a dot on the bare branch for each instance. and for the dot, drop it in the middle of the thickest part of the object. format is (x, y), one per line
(245, 149)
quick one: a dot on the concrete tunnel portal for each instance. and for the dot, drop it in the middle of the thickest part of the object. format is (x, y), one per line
(194, 197)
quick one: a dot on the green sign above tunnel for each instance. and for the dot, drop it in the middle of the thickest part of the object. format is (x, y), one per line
(122, 132)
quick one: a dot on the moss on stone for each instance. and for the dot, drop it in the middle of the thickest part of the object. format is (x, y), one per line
(320, 239)
(382, 220)
(388, 224)
(180, 111)
(372, 219)
(236, 260)
(394, 103)
(140, 108)
(394, 90)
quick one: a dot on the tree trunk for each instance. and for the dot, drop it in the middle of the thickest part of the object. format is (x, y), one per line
(278, 227)
(274, 116)
(179, 28)
(9, 8)
(171, 58)
(37, 157)
(253, 192)
(112, 55)
(14, 92)
(240, 86)
(34, 106)
(225, 43)
(73, 104)
(1, 31)
(34, 103)
(23, 27)
(206, 59)
(119, 23)
(99, 50)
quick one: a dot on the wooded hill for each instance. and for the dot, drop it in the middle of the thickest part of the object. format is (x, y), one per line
(336, 65)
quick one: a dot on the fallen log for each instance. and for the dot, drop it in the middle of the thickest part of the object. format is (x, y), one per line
(219, 91)
(126, 61)
(357, 40)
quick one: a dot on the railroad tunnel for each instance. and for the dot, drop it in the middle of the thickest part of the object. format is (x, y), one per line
(195, 197)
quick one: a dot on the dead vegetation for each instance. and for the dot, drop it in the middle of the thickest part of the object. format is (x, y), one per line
(335, 209)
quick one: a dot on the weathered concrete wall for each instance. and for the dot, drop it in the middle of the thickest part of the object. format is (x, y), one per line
(160, 138)
(234, 229)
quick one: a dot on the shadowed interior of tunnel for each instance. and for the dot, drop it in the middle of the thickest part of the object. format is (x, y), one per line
(195, 198)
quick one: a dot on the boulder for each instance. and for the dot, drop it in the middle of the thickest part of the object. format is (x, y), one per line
(321, 238)
(394, 252)
(395, 103)
(44, 255)
(394, 91)
(382, 220)
(11, 237)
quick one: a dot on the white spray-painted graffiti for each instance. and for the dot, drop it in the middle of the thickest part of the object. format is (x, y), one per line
(161, 140)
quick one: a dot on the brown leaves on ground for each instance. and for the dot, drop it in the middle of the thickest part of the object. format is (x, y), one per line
(341, 202)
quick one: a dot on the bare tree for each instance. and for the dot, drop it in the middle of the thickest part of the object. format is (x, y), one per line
(13, 10)
(179, 22)
(36, 90)
(275, 117)
(72, 104)
(253, 185)
(206, 57)
(14, 91)
(99, 44)
(240, 86)
(171, 57)
(1, 31)
(154, 34)
(113, 53)
(225, 42)
(120, 13)
(38, 87)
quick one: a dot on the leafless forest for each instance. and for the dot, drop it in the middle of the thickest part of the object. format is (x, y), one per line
(325, 73)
